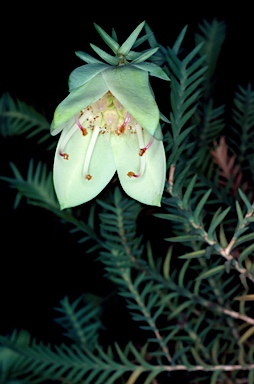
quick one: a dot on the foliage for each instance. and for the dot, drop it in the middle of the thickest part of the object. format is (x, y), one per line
(185, 277)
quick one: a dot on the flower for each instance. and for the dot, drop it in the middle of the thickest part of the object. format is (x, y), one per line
(109, 122)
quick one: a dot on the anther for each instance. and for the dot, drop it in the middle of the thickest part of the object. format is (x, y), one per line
(64, 155)
(132, 174)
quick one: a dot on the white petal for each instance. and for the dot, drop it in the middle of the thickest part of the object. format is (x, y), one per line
(149, 187)
(70, 184)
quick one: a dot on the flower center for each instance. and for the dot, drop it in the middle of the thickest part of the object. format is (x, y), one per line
(107, 115)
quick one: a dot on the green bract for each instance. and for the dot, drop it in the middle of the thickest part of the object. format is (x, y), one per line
(129, 85)
(110, 122)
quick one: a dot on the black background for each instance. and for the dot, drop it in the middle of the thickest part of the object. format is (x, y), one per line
(40, 262)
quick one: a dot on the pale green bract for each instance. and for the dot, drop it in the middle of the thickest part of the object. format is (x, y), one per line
(128, 84)
(110, 122)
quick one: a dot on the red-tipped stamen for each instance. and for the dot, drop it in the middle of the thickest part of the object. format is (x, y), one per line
(89, 152)
(143, 150)
(83, 130)
(68, 135)
(65, 140)
(122, 128)
(142, 160)
(132, 174)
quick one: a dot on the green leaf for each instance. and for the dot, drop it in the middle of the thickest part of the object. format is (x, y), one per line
(209, 251)
(200, 206)
(18, 118)
(180, 308)
(145, 55)
(186, 117)
(215, 223)
(87, 58)
(141, 40)
(239, 213)
(245, 200)
(251, 376)
(166, 264)
(108, 207)
(239, 231)
(183, 239)
(153, 69)
(245, 253)
(198, 359)
(243, 239)
(107, 39)
(215, 349)
(179, 40)
(172, 217)
(193, 255)
(189, 189)
(105, 56)
(127, 45)
(189, 58)
(211, 272)
(246, 335)
(222, 237)
(182, 273)
(195, 70)
(180, 138)
(149, 253)
(151, 376)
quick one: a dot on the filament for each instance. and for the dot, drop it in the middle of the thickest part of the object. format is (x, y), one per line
(65, 140)
(126, 120)
(95, 134)
(142, 158)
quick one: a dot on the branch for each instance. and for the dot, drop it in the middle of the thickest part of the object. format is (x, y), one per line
(224, 252)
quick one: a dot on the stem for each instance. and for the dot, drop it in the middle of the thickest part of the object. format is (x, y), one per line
(224, 252)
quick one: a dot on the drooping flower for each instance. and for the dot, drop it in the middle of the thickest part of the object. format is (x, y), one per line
(110, 122)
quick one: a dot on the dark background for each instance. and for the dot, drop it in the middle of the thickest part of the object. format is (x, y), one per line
(40, 262)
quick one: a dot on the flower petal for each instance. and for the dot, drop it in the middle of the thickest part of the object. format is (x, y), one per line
(131, 87)
(84, 73)
(78, 99)
(70, 184)
(149, 187)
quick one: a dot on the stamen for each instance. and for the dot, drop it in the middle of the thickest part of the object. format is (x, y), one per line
(66, 138)
(142, 160)
(143, 150)
(89, 152)
(132, 174)
(83, 130)
(122, 128)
